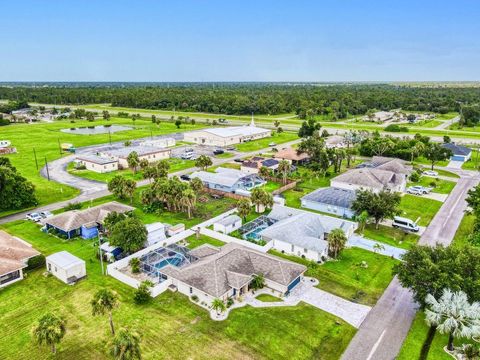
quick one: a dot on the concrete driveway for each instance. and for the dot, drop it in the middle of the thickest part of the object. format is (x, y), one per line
(454, 164)
(368, 244)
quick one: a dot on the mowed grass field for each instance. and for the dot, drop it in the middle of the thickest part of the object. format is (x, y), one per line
(417, 207)
(170, 325)
(45, 138)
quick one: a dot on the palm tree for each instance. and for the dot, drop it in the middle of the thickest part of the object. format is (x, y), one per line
(284, 168)
(49, 330)
(378, 247)
(336, 242)
(203, 162)
(218, 305)
(260, 198)
(196, 184)
(258, 282)
(264, 172)
(244, 207)
(416, 150)
(452, 314)
(126, 345)
(133, 161)
(103, 302)
(362, 220)
(143, 164)
(188, 199)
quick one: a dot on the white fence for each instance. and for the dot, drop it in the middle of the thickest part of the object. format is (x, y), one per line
(229, 239)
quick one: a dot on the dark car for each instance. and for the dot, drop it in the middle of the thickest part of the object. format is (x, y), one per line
(218, 151)
(238, 160)
(231, 148)
(185, 177)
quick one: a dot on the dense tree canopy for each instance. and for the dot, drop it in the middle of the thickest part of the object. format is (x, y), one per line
(307, 100)
(16, 192)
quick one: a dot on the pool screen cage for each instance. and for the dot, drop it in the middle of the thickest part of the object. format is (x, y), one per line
(261, 222)
(149, 261)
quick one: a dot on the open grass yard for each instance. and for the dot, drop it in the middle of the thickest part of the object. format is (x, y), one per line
(271, 185)
(175, 165)
(225, 155)
(268, 298)
(438, 185)
(346, 277)
(423, 161)
(447, 173)
(417, 207)
(473, 163)
(45, 137)
(229, 165)
(170, 325)
(263, 143)
(193, 242)
(464, 230)
(416, 337)
(390, 236)
(430, 123)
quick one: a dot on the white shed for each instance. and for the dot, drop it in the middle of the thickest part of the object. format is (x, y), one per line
(228, 224)
(66, 267)
(156, 233)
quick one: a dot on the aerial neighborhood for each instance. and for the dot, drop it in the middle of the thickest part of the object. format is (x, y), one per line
(226, 180)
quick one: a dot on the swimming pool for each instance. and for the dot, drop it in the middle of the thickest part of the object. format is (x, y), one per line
(176, 260)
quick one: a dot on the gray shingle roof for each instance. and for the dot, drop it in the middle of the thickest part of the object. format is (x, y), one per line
(374, 178)
(71, 220)
(457, 149)
(332, 196)
(232, 265)
(96, 159)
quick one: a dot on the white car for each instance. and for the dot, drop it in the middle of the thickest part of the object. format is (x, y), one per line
(34, 217)
(272, 144)
(45, 214)
(418, 190)
(430, 173)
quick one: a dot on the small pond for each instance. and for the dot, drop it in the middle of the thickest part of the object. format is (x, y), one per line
(95, 130)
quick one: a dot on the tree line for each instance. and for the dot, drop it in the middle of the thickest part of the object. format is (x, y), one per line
(335, 100)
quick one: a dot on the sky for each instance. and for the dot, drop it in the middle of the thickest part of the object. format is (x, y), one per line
(240, 40)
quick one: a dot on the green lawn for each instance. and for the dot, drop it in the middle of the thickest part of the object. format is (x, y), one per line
(268, 298)
(347, 278)
(193, 242)
(416, 337)
(230, 165)
(171, 326)
(390, 236)
(271, 185)
(225, 155)
(423, 161)
(417, 207)
(263, 143)
(430, 123)
(44, 138)
(441, 186)
(464, 230)
(473, 163)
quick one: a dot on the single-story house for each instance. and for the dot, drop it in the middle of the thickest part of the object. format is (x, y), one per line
(373, 179)
(66, 267)
(97, 163)
(228, 180)
(303, 233)
(227, 272)
(331, 200)
(292, 156)
(14, 256)
(110, 252)
(395, 165)
(149, 153)
(460, 153)
(228, 224)
(253, 165)
(227, 135)
(84, 223)
(156, 232)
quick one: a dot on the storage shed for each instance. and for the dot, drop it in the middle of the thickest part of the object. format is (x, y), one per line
(66, 267)
(228, 224)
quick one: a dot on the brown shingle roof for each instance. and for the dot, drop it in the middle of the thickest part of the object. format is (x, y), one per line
(14, 253)
(74, 219)
(233, 266)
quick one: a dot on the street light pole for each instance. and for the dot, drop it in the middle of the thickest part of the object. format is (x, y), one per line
(46, 166)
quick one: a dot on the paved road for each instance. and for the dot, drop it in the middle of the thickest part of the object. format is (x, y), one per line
(381, 335)
(446, 124)
(93, 189)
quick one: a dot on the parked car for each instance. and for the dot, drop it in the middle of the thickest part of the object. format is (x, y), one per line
(187, 156)
(45, 214)
(418, 190)
(34, 217)
(231, 148)
(238, 160)
(185, 177)
(272, 144)
(218, 151)
(430, 173)
(405, 224)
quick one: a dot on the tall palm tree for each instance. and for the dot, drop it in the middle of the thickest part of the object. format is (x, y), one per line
(188, 199)
(196, 184)
(50, 330)
(218, 305)
(126, 345)
(244, 207)
(258, 282)
(452, 314)
(336, 242)
(264, 172)
(103, 302)
(260, 198)
(133, 161)
(284, 168)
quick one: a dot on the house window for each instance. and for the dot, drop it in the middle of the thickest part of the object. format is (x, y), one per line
(191, 290)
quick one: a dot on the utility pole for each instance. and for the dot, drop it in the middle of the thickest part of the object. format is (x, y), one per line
(35, 155)
(60, 146)
(46, 166)
(101, 255)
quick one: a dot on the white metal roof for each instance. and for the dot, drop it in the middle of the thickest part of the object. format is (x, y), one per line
(65, 260)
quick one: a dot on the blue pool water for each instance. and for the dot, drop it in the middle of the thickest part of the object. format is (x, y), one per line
(254, 234)
(175, 261)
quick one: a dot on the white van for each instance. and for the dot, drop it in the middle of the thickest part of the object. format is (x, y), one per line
(405, 224)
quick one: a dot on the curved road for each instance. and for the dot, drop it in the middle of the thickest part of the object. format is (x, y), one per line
(381, 335)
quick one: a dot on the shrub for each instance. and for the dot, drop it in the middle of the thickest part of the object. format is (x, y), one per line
(229, 302)
(36, 262)
(194, 298)
(433, 184)
(4, 122)
(142, 294)
(395, 128)
(135, 265)
(72, 206)
(414, 177)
